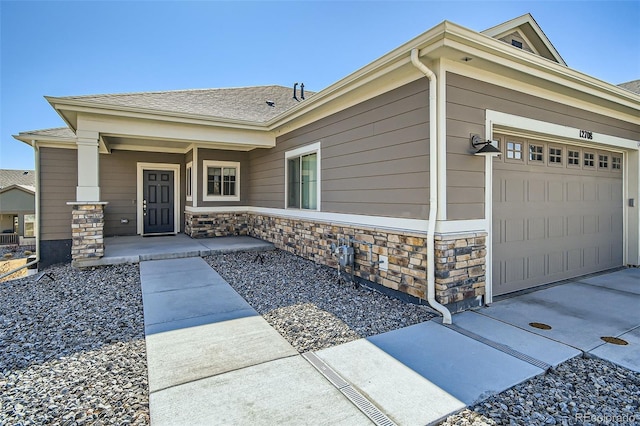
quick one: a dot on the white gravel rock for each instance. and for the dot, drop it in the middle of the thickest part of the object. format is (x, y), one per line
(306, 303)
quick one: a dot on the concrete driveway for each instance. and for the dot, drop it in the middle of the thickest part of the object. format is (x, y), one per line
(581, 312)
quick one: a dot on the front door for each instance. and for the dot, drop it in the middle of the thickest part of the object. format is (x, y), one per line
(158, 201)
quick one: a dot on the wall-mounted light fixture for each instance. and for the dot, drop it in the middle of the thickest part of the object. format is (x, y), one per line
(484, 147)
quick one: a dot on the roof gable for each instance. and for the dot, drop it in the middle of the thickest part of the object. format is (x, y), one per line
(524, 33)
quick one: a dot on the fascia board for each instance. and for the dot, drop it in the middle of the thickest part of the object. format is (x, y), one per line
(61, 104)
(491, 49)
(28, 137)
(18, 187)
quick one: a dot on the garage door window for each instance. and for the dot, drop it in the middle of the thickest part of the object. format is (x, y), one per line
(616, 163)
(603, 161)
(555, 156)
(589, 159)
(573, 158)
(536, 153)
(514, 150)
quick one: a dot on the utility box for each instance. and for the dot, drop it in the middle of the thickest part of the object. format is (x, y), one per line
(346, 256)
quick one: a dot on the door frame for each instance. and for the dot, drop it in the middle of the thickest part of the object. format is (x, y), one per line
(175, 168)
(564, 135)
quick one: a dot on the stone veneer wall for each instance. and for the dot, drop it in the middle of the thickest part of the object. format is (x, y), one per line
(460, 269)
(87, 231)
(459, 258)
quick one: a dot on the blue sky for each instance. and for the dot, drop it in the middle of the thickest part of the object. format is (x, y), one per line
(64, 48)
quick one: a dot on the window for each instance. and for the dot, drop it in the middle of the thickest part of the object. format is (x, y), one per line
(221, 181)
(555, 155)
(616, 163)
(29, 225)
(189, 181)
(536, 152)
(589, 159)
(302, 167)
(514, 150)
(573, 158)
(603, 161)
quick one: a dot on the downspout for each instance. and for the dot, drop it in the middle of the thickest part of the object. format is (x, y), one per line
(34, 144)
(433, 188)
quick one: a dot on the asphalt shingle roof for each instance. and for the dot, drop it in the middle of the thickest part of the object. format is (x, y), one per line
(632, 86)
(58, 132)
(25, 178)
(242, 103)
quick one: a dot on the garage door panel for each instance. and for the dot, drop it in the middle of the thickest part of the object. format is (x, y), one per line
(552, 223)
(555, 226)
(535, 228)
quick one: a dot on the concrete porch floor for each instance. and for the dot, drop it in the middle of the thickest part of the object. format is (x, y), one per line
(134, 249)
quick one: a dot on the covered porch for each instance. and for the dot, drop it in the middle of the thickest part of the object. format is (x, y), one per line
(134, 249)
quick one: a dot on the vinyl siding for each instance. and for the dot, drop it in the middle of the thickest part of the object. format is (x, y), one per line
(374, 157)
(59, 177)
(467, 101)
(222, 155)
(118, 186)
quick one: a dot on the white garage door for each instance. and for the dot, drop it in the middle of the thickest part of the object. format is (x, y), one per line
(557, 213)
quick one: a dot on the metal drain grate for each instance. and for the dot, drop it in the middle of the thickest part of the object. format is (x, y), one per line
(359, 400)
(502, 348)
(615, 340)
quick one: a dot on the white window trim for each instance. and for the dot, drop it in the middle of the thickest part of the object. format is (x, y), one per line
(186, 177)
(313, 148)
(205, 169)
(24, 225)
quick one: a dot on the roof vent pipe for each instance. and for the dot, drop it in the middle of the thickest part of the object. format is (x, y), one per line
(302, 91)
(433, 188)
(295, 96)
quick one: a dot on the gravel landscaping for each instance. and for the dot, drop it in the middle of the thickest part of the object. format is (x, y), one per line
(72, 348)
(581, 391)
(306, 303)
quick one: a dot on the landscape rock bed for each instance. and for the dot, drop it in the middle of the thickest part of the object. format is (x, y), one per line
(307, 304)
(72, 348)
(581, 391)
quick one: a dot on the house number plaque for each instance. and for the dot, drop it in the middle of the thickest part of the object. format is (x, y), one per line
(586, 134)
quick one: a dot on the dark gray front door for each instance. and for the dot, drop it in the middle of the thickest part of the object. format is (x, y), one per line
(157, 205)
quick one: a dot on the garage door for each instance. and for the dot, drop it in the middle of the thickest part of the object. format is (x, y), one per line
(557, 213)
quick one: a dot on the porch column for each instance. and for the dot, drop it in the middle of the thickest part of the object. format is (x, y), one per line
(88, 188)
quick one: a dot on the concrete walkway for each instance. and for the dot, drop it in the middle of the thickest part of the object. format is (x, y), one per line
(213, 360)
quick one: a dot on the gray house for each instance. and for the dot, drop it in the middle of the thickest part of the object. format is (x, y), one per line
(17, 206)
(472, 163)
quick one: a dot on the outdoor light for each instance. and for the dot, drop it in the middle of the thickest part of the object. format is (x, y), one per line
(486, 147)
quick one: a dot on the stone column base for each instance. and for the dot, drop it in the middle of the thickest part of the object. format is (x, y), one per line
(87, 231)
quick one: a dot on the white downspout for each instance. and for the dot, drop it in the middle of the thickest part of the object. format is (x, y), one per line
(34, 144)
(433, 188)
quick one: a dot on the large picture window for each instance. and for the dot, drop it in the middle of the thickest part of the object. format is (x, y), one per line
(303, 177)
(221, 181)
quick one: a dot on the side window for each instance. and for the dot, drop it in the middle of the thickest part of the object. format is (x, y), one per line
(302, 166)
(189, 181)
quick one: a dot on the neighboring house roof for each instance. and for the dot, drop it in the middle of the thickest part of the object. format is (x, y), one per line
(526, 30)
(26, 188)
(632, 86)
(240, 103)
(24, 178)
